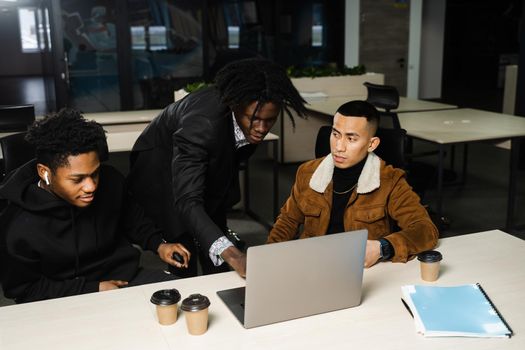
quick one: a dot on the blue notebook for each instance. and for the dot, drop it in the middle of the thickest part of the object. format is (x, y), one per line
(463, 311)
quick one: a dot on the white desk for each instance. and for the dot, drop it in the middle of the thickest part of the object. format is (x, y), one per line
(298, 145)
(122, 137)
(329, 105)
(121, 117)
(125, 319)
(462, 126)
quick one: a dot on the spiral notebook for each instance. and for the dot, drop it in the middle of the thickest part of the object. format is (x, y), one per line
(462, 311)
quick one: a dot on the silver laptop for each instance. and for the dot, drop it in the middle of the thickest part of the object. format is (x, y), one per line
(299, 278)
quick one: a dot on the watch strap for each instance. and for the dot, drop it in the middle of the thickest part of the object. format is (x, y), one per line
(386, 251)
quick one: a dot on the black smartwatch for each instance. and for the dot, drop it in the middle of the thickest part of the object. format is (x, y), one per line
(386, 251)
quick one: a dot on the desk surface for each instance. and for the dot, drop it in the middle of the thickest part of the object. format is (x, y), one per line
(122, 137)
(461, 125)
(121, 117)
(329, 105)
(125, 319)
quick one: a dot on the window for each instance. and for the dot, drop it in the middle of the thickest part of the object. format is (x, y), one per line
(317, 25)
(233, 37)
(28, 29)
(138, 38)
(157, 38)
(152, 38)
(44, 31)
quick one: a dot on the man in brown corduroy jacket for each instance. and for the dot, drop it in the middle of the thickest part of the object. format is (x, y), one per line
(352, 188)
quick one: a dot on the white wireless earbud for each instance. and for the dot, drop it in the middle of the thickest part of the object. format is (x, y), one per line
(46, 178)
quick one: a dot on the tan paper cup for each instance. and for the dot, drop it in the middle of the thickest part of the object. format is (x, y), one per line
(195, 308)
(197, 322)
(167, 314)
(430, 264)
(166, 301)
(429, 271)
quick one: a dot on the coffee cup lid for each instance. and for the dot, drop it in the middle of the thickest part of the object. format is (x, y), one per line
(430, 256)
(195, 302)
(165, 297)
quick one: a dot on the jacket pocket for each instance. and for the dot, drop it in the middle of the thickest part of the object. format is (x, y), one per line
(312, 220)
(373, 219)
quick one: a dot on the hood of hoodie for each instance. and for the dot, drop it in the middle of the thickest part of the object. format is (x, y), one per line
(20, 188)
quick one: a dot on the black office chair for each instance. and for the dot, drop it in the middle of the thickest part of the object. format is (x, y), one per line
(16, 117)
(421, 175)
(16, 151)
(391, 148)
(386, 98)
(322, 142)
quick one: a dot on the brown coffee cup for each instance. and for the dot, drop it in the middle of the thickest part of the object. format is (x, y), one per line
(429, 263)
(166, 301)
(196, 312)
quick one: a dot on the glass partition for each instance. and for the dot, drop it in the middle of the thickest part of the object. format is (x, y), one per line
(166, 48)
(90, 55)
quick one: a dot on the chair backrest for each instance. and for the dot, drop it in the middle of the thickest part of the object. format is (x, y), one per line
(382, 96)
(16, 151)
(385, 97)
(391, 148)
(16, 117)
(389, 120)
(322, 142)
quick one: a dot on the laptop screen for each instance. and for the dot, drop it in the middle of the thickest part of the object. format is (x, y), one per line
(301, 278)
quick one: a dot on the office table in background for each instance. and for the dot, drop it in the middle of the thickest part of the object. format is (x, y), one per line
(463, 126)
(125, 318)
(329, 105)
(298, 144)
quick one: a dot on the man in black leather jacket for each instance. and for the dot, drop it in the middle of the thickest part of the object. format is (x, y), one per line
(184, 166)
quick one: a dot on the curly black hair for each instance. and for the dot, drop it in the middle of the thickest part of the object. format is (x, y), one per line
(255, 79)
(66, 133)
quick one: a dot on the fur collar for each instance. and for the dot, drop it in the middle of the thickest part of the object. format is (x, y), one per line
(368, 180)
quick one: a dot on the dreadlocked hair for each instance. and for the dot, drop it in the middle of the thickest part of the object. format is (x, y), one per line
(245, 81)
(64, 134)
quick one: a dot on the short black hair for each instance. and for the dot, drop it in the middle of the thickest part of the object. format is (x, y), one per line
(66, 133)
(256, 79)
(361, 109)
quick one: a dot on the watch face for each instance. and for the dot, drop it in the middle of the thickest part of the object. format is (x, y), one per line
(383, 249)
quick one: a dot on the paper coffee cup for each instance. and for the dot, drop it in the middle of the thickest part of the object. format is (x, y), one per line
(429, 263)
(195, 308)
(166, 301)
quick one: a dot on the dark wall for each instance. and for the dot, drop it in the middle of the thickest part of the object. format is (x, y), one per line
(383, 43)
(479, 37)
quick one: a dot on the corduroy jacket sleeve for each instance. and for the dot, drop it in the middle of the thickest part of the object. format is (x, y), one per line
(291, 217)
(417, 233)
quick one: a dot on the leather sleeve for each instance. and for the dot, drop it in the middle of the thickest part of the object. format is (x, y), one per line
(192, 144)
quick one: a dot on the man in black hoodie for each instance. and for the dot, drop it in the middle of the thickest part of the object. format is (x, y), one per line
(70, 223)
